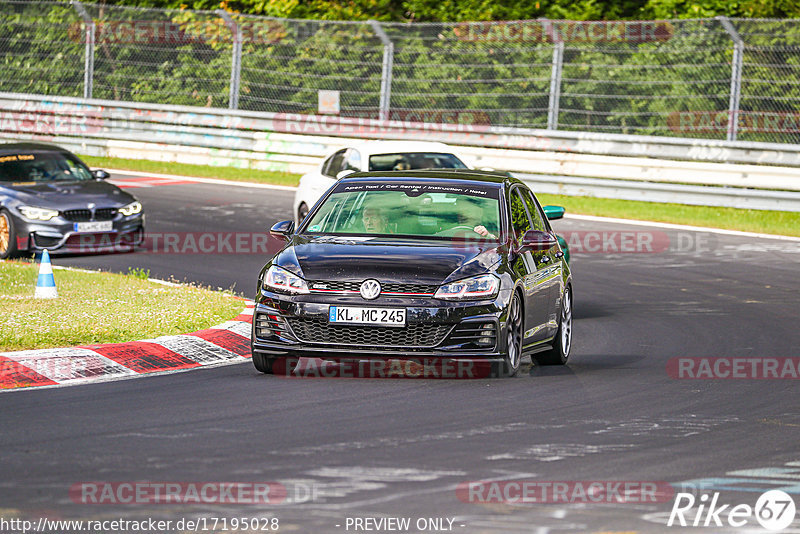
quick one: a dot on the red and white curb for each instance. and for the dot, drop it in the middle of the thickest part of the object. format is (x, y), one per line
(223, 344)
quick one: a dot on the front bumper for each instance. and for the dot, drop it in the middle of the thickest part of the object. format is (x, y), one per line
(60, 235)
(297, 326)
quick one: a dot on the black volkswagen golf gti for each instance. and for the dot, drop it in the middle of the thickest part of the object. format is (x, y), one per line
(49, 199)
(439, 265)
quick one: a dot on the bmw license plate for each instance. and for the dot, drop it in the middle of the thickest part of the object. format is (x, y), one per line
(372, 316)
(94, 226)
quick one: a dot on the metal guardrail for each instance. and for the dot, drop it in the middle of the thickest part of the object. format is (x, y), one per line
(676, 170)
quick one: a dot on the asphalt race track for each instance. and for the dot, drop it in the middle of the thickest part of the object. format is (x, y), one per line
(347, 449)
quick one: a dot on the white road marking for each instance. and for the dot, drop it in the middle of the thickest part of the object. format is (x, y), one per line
(204, 180)
(637, 222)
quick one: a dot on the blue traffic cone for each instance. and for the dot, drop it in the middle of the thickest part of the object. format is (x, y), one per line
(46, 284)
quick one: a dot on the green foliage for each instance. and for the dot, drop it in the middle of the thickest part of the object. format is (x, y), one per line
(496, 73)
(137, 272)
(477, 10)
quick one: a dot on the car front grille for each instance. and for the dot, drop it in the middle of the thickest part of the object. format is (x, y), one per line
(355, 287)
(104, 214)
(413, 335)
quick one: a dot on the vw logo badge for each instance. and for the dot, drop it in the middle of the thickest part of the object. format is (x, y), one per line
(370, 289)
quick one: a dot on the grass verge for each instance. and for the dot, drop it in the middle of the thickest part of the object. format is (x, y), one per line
(101, 308)
(761, 221)
(200, 171)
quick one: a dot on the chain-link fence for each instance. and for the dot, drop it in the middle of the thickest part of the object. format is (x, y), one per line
(736, 79)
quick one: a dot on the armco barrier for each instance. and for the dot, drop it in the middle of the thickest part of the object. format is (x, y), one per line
(718, 173)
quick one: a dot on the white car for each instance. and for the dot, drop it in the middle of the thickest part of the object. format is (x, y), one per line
(371, 156)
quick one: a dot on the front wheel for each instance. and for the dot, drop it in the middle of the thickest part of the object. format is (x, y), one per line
(562, 343)
(513, 355)
(8, 236)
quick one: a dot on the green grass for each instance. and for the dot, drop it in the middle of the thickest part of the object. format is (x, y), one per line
(96, 308)
(200, 171)
(767, 222)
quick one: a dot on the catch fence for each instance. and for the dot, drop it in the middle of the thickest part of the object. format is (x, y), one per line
(726, 79)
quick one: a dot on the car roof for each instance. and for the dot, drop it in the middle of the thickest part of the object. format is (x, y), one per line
(386, 147)
(16, 148)
(493, 178)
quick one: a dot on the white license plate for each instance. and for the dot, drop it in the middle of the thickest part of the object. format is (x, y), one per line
(374, 316)
(95, 226)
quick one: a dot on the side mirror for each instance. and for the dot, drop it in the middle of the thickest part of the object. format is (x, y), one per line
(538, 241)
(554, 212)
(342, 174)
(100, 174)
(282, 229)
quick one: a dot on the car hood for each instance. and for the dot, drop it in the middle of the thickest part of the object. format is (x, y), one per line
(388, 260)
(69, 195)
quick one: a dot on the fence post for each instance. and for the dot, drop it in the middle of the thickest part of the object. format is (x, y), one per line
(88, 61)
(386, 70)
(555, 75)
(736, 77)
(236, 59)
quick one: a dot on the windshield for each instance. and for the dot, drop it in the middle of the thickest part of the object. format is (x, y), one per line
(436, 211)
(405, 161)
(42, 167)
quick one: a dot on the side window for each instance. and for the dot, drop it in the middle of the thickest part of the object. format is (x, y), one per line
(334, 164)
(533, 209)
(352, 160)
(519, 215)
(326, 165)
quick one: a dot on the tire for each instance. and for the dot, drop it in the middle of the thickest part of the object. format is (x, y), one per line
(302, 211)
(263, 363)
(8, 236)
(513, 355)
(562, 343)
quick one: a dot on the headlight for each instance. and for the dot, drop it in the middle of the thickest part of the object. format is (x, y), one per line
(131, 209)
(37, 214)
(279, 279)
(479, 287)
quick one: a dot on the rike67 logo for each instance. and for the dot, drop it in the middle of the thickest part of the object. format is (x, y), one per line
(774, 510)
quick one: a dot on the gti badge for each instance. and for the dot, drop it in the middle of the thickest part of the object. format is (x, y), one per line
(370, 289)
